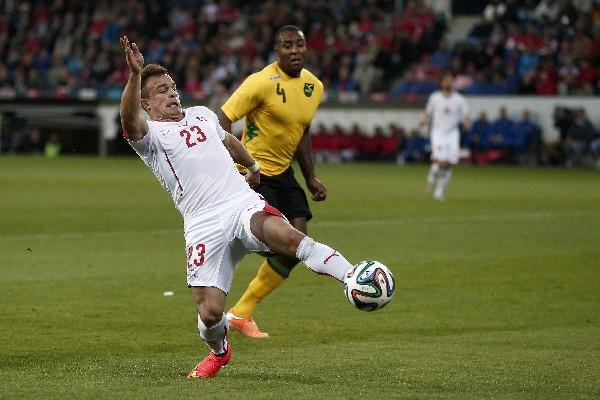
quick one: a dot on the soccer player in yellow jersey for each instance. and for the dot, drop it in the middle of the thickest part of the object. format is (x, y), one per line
(279, 103)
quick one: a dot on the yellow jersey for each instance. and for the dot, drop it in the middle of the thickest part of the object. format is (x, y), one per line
(278, 109)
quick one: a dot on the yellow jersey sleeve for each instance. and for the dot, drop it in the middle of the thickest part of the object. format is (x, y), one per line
(247, 97)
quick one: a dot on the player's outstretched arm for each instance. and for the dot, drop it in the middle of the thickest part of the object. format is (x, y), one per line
(241, 156)
(424, 121)
(224, 120)
(134, 126)
(304, 157)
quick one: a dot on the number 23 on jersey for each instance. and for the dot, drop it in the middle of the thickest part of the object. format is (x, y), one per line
(194, 135)
(195, 255)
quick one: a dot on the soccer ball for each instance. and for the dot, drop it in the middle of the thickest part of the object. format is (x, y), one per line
(369, 285)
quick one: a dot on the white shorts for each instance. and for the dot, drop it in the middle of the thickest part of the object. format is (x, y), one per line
(216, 241)
(445, 148)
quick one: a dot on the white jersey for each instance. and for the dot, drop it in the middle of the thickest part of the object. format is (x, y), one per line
(190, 161)
(446, 113)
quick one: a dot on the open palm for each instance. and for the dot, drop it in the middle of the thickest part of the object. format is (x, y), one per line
(135, 59)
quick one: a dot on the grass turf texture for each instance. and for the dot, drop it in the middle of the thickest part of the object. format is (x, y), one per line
(498, 289)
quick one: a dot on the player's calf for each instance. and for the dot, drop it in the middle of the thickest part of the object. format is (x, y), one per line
(282, 238)
(322, 259)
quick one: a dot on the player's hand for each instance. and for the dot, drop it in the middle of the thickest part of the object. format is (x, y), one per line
(253, 178)
(317, 189)
(135, 59)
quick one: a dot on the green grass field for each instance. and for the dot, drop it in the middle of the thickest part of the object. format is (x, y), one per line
(498, 289)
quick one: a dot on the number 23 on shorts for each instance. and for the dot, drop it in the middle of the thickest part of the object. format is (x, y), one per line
(195, 255)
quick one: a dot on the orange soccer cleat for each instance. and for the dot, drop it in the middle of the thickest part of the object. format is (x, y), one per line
(246, 325)
(211, 365)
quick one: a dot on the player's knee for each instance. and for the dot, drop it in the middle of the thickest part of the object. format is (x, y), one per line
(210, 315)
(291, 238)
(281, 237)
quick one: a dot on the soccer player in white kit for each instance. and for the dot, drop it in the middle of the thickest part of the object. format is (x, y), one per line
(194, 160)
(445, 110)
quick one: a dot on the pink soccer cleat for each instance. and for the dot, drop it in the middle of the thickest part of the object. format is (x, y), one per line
(211, 365)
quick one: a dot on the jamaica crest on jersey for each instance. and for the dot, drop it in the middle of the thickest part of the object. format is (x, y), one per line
(308, 89)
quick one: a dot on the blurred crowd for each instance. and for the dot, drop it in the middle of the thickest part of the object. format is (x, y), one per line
(537, 47)
(503, 140)
(361, 49)
(579, 139)
(70, 48)
(31, 140)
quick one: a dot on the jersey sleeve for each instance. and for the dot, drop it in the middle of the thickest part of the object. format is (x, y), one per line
(429, 106)
(220, 131)
(247, 97)
(144, 147)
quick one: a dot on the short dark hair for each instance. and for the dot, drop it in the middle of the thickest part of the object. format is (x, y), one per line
(149, 71)
(445, 73)
(286, 28)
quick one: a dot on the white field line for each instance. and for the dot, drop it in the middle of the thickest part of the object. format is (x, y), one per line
(325, 224)
(87, 235)
(457, 219)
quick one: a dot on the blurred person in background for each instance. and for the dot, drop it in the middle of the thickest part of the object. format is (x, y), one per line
(31, 142)
(547, 11)
(478, 137)
(395, 142)
(502, 130)
(528, 143)
(415, 149)
(579, 136)
(279, 103)
(595, 149)
(494, 11)
(319, 145)
(53, 146)
(446, 109)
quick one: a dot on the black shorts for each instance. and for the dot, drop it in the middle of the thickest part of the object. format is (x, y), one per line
(284, 193)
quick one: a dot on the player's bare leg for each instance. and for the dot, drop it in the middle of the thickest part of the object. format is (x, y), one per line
(283, 239)
(271, 274)
(432, 176)
(212, 326)
(444, 175)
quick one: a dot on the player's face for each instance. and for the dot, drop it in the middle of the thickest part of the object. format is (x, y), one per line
(290, 50)
(163, 99)
(447, 82)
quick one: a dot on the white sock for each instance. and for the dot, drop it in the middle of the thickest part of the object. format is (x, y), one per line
(443, 180)
(214, 336)
(322, 259)
(433, 173)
